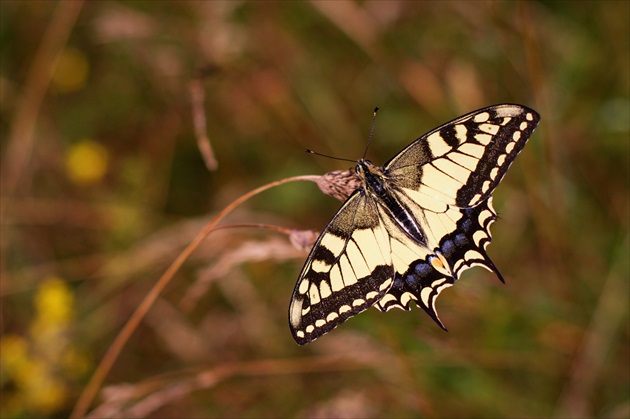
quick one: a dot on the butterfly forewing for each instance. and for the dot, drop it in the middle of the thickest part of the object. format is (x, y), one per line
(348, 270)
(461, 162)
(413, 226)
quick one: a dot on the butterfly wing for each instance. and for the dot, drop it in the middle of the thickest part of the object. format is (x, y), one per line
(461, 162)
(348, 270)
(446, 179)
(421, 280)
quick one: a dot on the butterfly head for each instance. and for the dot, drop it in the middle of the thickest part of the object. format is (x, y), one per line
(372, 177)
(362, 166)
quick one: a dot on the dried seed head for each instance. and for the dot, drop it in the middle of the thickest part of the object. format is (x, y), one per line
(303, 239)
(339, 184)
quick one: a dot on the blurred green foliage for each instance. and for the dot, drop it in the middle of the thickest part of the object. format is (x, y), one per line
(103, 184)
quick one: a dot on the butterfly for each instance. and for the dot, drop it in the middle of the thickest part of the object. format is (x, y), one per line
(412, 226)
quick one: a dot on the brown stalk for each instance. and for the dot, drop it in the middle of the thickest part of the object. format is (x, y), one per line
(22, 135)
(89, 392)
(199, 120)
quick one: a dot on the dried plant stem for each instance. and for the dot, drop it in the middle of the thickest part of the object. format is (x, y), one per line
(88, 394)
(21, 138)
(199, 119)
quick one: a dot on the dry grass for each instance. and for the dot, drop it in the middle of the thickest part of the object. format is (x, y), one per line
(109, 128)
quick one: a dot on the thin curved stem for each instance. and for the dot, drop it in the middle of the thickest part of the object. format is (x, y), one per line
(88, 394)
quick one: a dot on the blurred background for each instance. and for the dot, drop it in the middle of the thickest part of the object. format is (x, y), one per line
(104, 184)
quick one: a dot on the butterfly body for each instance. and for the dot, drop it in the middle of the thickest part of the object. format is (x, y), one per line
(376, 185)
(412, 226)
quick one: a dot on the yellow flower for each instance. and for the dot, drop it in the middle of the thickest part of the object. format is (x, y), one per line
(42, 370)
(14, 352)
(86, 162)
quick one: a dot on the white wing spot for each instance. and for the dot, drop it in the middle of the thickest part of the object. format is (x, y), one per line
(529, 117)
(333, 243)
(438, 282)
(484, 138)
(344, 309)
(506, 120)
(320, 323)
(516, 136)
(486, 186)
(385, 285)
(508, 110)
(489, 128)
(464, 160)
(494, 172)
(406, 297)
(473, 254)
(314, 294)
(482, 117)
(509, 147)
(460, 133)
(501, 159)
(303, 286)
(371, 295)
(433, 176)
(310, 328)
(358, 302)
(386, 298)
(300, 334)
(479, 236)
(320, 266)
(475, 199)
(453, 169)
(336, 281)
(437, 144)
(369, 248)
(332, 316)
(357, 261)
(484, 216)
(474, 150)
(523, 125)
(295, 312)
(425, 295)
(348, 277)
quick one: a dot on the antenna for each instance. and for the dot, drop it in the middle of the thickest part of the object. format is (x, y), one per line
(371, 132)
(366, 147)
(330, 157)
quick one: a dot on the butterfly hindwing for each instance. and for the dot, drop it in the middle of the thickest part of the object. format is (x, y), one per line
(348, 270)
(460, 249)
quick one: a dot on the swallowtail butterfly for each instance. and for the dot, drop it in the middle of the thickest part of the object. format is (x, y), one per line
(412, 226)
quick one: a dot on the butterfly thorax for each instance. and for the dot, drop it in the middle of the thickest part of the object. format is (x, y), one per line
(375, 184)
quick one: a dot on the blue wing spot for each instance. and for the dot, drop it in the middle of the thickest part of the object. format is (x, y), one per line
(422, 269)
(412, 281)
(448, 247)
(461, 240)
(466, 225)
